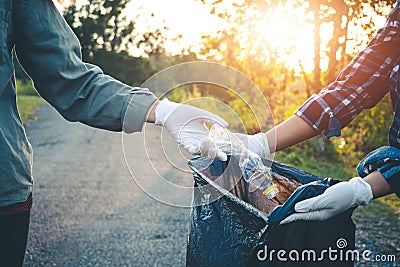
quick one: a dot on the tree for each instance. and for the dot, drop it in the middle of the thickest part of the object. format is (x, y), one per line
(103, 25)
(339, 14)
(257, 59)
(100, 24)
(107, 36)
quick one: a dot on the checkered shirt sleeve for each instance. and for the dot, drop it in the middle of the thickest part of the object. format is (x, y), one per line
(361, 84)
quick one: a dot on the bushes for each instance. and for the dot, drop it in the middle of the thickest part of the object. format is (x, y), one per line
(28, 100)
(367, 132)
(25, 88)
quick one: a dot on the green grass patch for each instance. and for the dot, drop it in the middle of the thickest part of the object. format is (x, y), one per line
(306, 158)
(28, 100)
(27, 105)
(25, 88)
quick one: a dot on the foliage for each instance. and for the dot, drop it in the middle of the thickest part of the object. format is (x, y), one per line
(233, 109)
(309, 156)
(281, 86)
(122, 66)
(25, 87)
(103, 25)
(28, 100)
(27, 104)
(107, 37)
(99, 24)
(18, 70)
(340, 17)
(367, 132)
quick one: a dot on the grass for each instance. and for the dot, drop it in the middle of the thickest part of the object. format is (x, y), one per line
(27, 105)
(27, 100)
(380, 219)
(309, 160)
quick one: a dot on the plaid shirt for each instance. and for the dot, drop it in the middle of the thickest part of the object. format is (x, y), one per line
(361, 85)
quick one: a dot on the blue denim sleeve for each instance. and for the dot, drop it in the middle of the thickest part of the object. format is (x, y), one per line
(50, 53)
(386, 160)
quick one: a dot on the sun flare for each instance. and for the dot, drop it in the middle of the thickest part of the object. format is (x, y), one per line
(283, 32)
(289, 37)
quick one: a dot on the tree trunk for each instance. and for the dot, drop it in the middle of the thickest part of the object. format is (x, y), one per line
(339, 32)
(315, 7)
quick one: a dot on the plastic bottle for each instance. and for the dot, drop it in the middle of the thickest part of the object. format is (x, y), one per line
(254, 171)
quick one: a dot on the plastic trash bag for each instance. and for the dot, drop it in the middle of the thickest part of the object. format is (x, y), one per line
(231, 226)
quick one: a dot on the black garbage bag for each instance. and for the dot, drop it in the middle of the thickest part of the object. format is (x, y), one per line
(231, 226)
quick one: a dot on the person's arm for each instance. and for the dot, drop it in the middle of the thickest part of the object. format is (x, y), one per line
(379, 185)
(341, 197)
(290, 132)
(361, 85)
(151, 115)
(50, 53)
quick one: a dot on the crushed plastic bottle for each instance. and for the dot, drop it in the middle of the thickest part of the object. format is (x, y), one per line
(254, 171)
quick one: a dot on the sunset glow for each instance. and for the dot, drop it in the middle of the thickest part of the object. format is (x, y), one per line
(284, 32)
(190, 19)
(289, 37)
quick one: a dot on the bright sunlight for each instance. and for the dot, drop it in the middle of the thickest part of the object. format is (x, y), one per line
(284, 33)
(289, 37)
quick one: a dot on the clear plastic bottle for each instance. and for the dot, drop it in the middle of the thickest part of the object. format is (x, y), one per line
(254, 171)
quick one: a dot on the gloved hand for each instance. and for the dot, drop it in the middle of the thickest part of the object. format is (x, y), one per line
(257, 143)
(335, 200)
(186, 123)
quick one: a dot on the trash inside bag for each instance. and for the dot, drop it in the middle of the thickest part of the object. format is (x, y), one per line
(234, 226)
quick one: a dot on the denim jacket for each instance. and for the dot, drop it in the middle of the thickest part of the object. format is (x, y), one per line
(50, 54)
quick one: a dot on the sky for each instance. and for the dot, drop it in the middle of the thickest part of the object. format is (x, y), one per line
(191, 19)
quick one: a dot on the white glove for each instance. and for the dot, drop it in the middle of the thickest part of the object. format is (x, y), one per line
(335, 200)
(257, 143)
(186, 123)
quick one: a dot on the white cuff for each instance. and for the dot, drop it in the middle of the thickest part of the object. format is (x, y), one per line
(363, 191)
(163, 110)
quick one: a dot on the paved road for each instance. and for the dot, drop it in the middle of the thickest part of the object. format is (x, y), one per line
(87, 209)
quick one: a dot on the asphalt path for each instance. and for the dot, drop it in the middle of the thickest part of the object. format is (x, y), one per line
(89, 211)
(107, 199)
